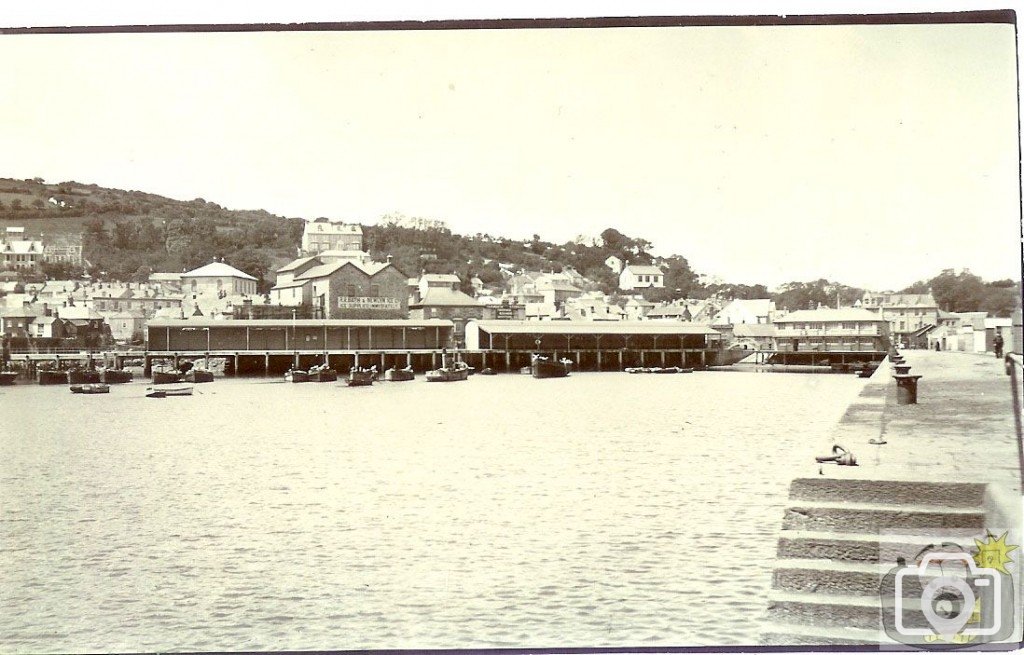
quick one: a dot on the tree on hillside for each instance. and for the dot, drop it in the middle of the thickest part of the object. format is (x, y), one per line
(808, 295)
(958, 292)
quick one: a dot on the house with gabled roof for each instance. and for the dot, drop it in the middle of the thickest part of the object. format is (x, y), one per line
(219, 278)
(637, 276)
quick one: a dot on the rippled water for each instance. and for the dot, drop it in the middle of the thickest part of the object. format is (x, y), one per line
(603, 509)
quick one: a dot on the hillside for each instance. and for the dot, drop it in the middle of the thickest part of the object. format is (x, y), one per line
(128, 234)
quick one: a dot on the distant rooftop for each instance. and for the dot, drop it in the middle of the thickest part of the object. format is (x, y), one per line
(826, 315)
(218, 269)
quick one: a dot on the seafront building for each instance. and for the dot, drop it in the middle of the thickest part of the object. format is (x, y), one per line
(848, 329)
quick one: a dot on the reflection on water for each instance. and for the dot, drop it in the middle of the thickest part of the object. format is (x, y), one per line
(602, 509)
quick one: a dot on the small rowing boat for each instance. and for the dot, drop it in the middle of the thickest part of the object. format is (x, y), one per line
(90, 388)
(167, 391)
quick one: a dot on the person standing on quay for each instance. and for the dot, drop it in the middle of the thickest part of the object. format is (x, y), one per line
(998, 343)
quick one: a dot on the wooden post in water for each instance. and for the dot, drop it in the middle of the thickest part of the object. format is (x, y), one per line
(620, 360)
(237, 362)
(266, 364)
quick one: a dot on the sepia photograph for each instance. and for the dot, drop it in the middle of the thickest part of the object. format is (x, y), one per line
(591, 332)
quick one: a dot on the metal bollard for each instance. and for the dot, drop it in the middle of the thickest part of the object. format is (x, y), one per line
(902, 369)
(906, 389)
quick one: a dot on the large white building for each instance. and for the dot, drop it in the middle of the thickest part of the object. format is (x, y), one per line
(218, 278)
(322, 234)
(18, 252)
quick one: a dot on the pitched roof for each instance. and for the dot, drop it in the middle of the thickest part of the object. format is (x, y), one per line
(218, 269)
(323, 270)
(22, 247)
(294, 264)
(753, 330)
(442, 297)
(440, 277)
(902, 299)
(830, 315)
(643, 270)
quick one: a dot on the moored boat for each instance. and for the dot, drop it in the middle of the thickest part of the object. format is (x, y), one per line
(361, 377)
(198, 375)
(488, 371)
(323, 373)
(168, 391)
(53, 377)
(456, 372)
(163, 374)
(116, 376)
(542, 367)
(394, 374)
(526, 370)
(83, 376)
(90, 388)
(296, 375)
(7, 378)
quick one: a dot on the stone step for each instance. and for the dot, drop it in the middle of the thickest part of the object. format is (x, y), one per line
(896, 492)
(787, 634)
(854, 547)
(823, 576)
(874, 517)
(841, 611)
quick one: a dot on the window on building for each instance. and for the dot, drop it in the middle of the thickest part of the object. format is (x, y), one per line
(374, 290)
(350, 290)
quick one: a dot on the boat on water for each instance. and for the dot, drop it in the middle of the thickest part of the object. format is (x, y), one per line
(361, 377)
(455, 372)
(658, 370)
(116, 376)
(322, 373)
(543, 367)
(198, 375)
(83, 376)
(488, 371)
(163, 374)
(395, 374)
(7, 378)
(166, 392)
(53, 377)
(90, 388)
(526, 370)
(296, 375)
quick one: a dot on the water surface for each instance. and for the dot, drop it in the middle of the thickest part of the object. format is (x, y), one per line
(599, 510)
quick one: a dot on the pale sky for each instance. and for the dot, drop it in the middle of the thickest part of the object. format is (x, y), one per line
(871, 155)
